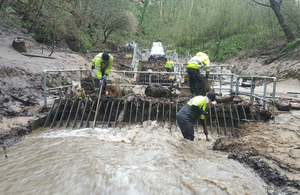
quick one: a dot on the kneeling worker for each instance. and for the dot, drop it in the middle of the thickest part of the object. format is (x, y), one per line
(194, 109)
(101, 65)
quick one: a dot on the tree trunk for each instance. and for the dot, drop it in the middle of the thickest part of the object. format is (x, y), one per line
(1, 3)
(54, 37)
(38, 13)
(105, 38)
(191, 8)
(160, 13)
(286, 29)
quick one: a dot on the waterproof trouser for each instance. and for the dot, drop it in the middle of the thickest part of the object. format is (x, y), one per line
(169, 69)
(196, 81)
(97, 86)
(185, 118)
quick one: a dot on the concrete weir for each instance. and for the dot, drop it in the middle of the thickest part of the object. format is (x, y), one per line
(133, 109)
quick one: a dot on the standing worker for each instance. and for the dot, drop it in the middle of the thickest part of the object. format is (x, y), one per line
(169, 65)
(194, 109)
(101, 65)
(200, 61)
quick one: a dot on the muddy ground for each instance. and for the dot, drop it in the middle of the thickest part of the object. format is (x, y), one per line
(272, 150)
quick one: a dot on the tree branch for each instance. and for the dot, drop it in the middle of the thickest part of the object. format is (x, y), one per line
(260, 3)
(297, 24)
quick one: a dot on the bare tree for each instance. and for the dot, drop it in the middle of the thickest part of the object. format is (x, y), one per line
(275, 6)
(112, 17)
(111, 22)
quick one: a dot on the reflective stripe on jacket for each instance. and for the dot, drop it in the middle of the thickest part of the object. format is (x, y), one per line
(201, 60)
(200, 102)
(100, 66)
(169, 64)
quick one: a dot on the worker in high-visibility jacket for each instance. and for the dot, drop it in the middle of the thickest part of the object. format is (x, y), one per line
(197, 63)
(101, 66)
(169, 65)
(194, 109)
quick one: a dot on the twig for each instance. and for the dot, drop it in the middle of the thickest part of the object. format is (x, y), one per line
(5, 151)
(295, 116)
(84, 94)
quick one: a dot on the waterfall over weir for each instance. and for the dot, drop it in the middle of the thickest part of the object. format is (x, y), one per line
(114, 112)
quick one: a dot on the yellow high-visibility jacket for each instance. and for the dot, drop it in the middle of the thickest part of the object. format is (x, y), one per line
(199, 101)
(100, 66)
(201, 60)
(169, 64)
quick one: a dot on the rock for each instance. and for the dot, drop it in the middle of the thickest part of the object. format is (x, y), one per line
(19, 45)
(114, 90)
(139, 89)
(76, 88)
(283, 105)
(157, 90)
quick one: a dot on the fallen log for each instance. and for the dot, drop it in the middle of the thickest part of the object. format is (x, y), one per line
(37, 56)
(293, 92)
(25, 102)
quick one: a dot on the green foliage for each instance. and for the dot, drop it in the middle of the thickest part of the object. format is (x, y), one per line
(291, 46)
(81, 96)
(182, 50)
(292, 74)
(12, 24)
(2, 13)
(10, 10)
(223, 27)
(146, 3)
(26, 24)
(123, 99)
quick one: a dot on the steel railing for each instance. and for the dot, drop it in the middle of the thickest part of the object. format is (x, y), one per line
(232, 85)
(60, 86)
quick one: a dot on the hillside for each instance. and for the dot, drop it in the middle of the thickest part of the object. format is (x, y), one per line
(268, 62)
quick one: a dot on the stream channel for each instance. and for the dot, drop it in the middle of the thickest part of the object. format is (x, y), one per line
(145, 159)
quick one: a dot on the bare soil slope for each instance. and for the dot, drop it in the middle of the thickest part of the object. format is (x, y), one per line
(270, 61)
(22, 78)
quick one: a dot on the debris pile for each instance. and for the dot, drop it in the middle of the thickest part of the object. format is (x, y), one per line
(157, 90)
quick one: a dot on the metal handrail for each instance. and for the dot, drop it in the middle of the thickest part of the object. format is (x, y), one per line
(137, 55)
(59, 85)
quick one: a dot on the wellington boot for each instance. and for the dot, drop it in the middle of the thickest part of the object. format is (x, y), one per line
(96, 90)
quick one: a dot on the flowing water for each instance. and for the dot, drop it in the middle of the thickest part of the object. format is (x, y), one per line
(140, 160)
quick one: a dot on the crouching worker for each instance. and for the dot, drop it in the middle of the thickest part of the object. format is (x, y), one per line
(101, 66)
(194, 109)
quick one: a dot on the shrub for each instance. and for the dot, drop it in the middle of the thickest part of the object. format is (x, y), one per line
(291, 46)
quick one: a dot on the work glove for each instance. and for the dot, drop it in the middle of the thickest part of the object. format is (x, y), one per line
(205, 113)
(100, 82)
(104, 77)
(93, 67)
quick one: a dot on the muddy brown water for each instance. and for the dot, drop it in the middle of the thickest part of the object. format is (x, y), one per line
(146, 159)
